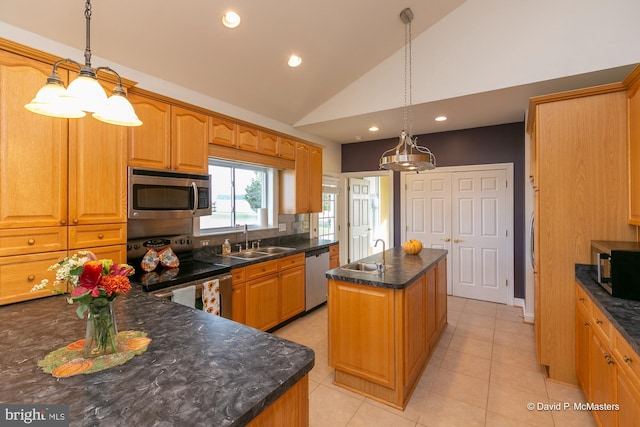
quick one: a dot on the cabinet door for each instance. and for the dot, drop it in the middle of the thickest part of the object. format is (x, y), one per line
(117, 253)
(239, 303)
(303, 154)
(634, 154)
(97, 172)
(189, 140)
(603, 379)
(269, 144)
(222, 132)
(432, 319)
(441, 294)
(248, 139)
(149, 145)
(315, 179)
(629, 401)
(416, 340)
(287, 149)
(33, 149)
(262, 302)
(291, 292)
(583, 330)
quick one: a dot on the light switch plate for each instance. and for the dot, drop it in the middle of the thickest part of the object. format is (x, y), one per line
(282, 227)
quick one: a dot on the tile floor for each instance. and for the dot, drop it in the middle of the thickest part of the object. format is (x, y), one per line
(483, 373)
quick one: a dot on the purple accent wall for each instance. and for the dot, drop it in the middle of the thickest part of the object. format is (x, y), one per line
(484, 145)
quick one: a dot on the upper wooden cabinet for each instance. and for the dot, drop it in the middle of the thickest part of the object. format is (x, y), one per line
(170, 137)
(287, 149)
(149, 145)
(633, 111)
(248, 139)
(33, 191)
(268, 144)
(301, 189)
(222, 132)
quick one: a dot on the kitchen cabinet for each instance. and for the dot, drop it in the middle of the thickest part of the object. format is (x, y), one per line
(629, 401)
(262, 302)
(583, 338)
(248, 139)
(578, 197)
(239, 296)
(18, 274)
(189, 140)
(268, 143)
(441, 294)
(301, 188)
(291, 289)
(33, 152)
(633, 105)
(149, 145)
(222, 132)
(287, 149)
(171, 137)
(334, 256)
(603, 379)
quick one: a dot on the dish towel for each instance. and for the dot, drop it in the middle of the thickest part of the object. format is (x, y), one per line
(211, 297)
(185, 296)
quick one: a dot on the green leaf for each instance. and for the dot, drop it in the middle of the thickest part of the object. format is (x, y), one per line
(82, 308)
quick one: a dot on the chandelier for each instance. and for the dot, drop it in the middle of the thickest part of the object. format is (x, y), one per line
(407, 155)
(84, 94)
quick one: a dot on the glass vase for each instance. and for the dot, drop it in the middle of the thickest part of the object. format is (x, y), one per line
(102, 332)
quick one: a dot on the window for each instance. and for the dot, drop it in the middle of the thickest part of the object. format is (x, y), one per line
(327, 218)
(238, 192)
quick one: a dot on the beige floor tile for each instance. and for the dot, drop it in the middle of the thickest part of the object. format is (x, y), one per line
(330, 408)
(453, 317)
(374, 416)
(482, 320)
(413, 409)
(474, 331)
(480, 307)
(498, 420)
(467, 364)
(570, 418)
(518, 341)
(462, 387)
(455, 303)
(513, 403)
(468, 345)
(312, 385)
(437, 410)
(328, 382)
(520, 328)
(564, 392)
(526, 380)
(513, 356)
(428, 376)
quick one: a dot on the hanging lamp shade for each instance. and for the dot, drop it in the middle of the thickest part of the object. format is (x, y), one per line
(87, 90)
(52, 100)
(117, 110)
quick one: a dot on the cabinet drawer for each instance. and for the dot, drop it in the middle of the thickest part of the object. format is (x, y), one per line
(334, 250)
(261, 269)
(292, 261)
(601, 324)
(32, 240)
(238, 275)
(82, 236)
(627, 356)
(18, 274)
(582, 300)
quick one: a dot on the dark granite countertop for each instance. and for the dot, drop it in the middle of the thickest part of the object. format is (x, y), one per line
(402, 268)
(199, 369)
(623, 314)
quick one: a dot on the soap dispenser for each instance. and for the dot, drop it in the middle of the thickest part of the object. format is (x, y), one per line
(226, 247)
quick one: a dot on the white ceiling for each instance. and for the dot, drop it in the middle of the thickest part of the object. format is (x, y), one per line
(340, 41)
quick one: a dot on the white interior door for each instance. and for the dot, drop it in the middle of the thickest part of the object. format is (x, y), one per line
(465, 212)
(479, 235)
(359, 226)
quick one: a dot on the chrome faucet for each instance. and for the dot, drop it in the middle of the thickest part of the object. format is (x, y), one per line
(246, 236)
(382, 267)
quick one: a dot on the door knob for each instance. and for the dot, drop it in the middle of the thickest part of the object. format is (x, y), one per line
(457, 240)
(446, 239)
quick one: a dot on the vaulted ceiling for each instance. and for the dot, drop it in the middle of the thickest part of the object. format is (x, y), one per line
(351, 76)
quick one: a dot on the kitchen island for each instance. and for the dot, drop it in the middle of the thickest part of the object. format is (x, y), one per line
(383, 327)
(199, 369)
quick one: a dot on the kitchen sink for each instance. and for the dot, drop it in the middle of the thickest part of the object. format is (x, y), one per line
(365, 267)
(251, 254)
(274, 249)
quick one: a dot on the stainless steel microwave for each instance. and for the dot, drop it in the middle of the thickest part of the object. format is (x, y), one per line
(157, 194)
(617, 267)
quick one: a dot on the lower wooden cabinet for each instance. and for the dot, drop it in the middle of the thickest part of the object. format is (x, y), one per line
(334, 256)
(291, 291)
(629, 401)
(18, 274)
(603, 379)
(262, 302)
(583, 331)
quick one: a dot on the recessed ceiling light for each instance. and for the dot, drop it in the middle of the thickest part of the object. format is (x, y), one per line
(440, 118)
(294, 61)
(374, 129)
(230, 19)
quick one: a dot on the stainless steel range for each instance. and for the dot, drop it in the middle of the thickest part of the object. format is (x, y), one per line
(162, 281)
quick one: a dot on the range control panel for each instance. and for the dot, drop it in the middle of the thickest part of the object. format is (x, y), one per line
(137, 248)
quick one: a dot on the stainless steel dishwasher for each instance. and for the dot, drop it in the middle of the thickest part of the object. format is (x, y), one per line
(316, 265)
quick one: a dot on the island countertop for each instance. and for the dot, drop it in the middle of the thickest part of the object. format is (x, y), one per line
(199, 369)
(402, 269)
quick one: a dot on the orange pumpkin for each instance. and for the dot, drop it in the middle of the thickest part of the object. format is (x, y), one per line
(412, 247)
(136, 343)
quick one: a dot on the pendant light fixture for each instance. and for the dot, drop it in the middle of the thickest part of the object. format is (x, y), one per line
(84, 94)
(407, 155)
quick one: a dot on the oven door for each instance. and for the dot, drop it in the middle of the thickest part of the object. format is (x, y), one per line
(167, 195)
(225, 282)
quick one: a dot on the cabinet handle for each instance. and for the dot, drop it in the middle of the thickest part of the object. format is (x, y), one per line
(587, 323)
(75, 220)
(581, 299)
(31, 241)
(63, 222)
(598, 321)
(627, 359)
(100, 236)
(31, 278)
(609, 360)
(446, 239)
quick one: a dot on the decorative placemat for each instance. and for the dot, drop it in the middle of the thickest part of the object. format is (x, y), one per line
(68, 361)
